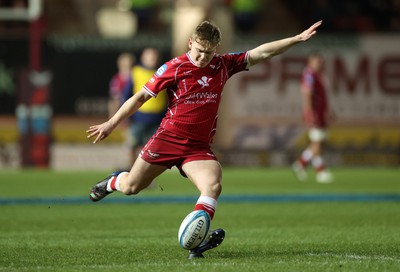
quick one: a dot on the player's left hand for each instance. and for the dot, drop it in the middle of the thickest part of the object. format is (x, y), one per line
(101, 131)
(307, 34)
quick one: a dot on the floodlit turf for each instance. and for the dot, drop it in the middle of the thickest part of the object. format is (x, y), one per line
(260, 236)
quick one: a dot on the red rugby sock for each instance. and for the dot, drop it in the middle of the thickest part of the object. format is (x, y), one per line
(305, 158)
(207, 204)
(113, 183)
(318, 164)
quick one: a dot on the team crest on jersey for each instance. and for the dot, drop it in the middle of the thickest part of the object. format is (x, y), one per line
(161, 70)
(204, 81)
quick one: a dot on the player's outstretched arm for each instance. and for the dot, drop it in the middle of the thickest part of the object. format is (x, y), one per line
(128, 108)
(268, 50)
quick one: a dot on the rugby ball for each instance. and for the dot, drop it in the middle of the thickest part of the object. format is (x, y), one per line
(194, 229)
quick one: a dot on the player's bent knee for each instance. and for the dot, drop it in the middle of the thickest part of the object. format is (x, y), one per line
(216, 189)
(131, 190)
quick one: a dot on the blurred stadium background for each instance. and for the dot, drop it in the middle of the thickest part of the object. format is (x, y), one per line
(57, 57)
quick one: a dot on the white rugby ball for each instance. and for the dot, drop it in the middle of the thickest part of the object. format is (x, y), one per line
(194, 229)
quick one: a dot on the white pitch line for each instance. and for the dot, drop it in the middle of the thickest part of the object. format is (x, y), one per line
(356, 257)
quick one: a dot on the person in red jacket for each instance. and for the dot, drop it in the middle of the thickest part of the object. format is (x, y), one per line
(315, 113)
(194, 83)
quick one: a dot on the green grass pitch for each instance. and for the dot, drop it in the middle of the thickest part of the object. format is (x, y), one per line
(262, 234)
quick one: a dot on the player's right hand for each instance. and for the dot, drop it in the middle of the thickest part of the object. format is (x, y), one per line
(100, 131)
(308, 33)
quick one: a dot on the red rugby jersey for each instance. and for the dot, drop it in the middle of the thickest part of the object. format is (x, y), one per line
(315, 82)
(194, 93)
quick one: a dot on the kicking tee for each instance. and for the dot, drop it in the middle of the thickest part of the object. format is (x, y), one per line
(194, 93)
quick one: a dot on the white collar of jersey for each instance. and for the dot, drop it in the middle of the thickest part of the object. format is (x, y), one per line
(190, 59)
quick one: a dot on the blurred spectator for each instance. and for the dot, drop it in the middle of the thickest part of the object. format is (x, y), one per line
(119, 82)
(145, 122)
(316, 117)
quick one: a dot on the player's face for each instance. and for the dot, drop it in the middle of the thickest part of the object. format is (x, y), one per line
(201, 55)
(317, 63)
(149, 58)
(124, 63)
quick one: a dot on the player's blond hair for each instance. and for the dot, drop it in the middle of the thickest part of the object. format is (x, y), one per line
(207, 34)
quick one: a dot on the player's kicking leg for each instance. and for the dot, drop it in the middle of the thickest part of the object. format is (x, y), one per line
(215, 238)
(128, 183)
(206, 175)
(104, 187)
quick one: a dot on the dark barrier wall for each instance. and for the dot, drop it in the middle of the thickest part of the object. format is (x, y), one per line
(13, 57)
(79, 72)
